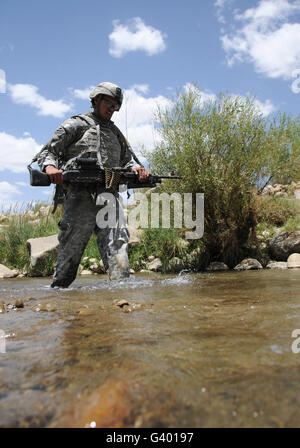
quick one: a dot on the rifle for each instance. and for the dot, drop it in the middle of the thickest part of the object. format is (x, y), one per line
(88, 172)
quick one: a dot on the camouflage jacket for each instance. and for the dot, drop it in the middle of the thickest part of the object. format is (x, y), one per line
(86, 136)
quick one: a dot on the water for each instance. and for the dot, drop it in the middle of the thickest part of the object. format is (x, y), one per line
(192, 350)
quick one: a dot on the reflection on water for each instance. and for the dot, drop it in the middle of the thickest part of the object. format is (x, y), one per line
(192, 350)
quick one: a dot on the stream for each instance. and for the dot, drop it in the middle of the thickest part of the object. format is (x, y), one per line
(188, 350)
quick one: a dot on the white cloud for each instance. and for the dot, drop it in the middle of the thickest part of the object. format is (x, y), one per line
(265, 108)
(16, 153)
(28, 94)
(220, 8)
(135, 36)
(7, 195)
(204, 96)
(82, 94)
(266, 37)
(136, 117)
(143, 88)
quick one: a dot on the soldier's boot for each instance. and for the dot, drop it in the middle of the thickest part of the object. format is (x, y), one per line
(118, 265)
(65, 273)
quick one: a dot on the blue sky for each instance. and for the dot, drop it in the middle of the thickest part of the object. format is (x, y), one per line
(52, 53)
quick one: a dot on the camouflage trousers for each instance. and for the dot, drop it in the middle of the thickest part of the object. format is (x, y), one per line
(76, 227)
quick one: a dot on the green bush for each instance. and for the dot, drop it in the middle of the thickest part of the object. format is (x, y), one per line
(224, 148)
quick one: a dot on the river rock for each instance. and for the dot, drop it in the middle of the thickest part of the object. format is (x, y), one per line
(40, 249)
(96, 268)
(121, 303)
(248, 264)
(277, 265)
(86, 272)
(155, 265)
(5, 272)
(293, 261)
(285, 244)
(217, 266)
(151, 258)
(45, 307)
(19, 303)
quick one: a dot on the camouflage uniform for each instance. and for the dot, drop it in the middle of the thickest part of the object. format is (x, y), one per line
(88, 136)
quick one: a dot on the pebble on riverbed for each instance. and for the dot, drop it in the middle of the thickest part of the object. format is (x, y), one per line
(126, 306)
(19, 303)
(44, 307)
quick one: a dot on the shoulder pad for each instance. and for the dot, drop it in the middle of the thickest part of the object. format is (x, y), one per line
(86, 118)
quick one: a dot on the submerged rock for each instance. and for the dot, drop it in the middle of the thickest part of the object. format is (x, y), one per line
(84, 311)
(121, 303)
(44, 307)
(248, 264)
(128, 307)
(19, 303)
(109, 406)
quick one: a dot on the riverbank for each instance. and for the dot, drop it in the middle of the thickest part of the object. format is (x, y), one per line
(26, 248)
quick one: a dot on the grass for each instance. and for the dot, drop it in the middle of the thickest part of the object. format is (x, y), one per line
(273, 213)
(19, 228)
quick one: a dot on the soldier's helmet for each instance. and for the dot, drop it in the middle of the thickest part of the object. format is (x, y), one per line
(109, 89)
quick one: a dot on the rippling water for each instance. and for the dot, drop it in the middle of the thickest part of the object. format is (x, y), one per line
(192, 350)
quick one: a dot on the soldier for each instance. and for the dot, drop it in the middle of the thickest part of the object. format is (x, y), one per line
(90, 135)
